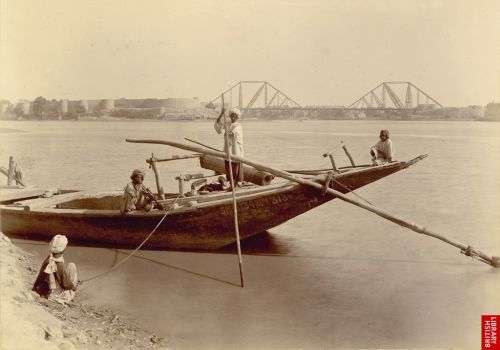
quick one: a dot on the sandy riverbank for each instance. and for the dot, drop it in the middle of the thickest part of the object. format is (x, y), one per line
(30, 322)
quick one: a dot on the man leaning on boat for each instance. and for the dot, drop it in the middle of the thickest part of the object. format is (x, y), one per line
(135, 194)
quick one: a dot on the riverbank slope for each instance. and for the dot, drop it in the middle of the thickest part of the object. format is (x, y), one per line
(30, 322)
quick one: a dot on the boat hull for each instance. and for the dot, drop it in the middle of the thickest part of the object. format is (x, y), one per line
(208, 227)
(203, 222)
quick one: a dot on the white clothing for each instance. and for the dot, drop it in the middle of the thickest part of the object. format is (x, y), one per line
(387, 148)
(235, 138)
(58, 244)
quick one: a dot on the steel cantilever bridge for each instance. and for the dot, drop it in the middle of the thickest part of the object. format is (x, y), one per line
(388, 95)
(262, 94)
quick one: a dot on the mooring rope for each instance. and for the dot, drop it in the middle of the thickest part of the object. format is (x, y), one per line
(135, 250)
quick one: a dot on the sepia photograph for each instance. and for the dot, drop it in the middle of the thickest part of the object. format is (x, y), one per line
(230, 174)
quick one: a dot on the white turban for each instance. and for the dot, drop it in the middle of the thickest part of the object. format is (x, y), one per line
(58, 244)
(235, 111)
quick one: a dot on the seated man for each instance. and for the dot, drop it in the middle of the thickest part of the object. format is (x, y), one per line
(56, 281)
(383, 151)
(135, 194)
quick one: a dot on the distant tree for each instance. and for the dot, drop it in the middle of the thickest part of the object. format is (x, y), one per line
(18, 110)
(38, 105)
(51, 108)
(75, 108)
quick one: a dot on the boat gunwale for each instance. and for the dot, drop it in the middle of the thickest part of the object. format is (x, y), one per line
(280, 188)
(200, 201)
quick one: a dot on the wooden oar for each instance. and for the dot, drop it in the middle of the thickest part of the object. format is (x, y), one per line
(465, 249)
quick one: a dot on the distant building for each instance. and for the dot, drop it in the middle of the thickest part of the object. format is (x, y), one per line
(85, 105)
(492, 111)
(25, 107)
(64, 106)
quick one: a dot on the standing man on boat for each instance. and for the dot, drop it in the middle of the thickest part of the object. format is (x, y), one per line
(57, 281)
(134, 194)
(234, 141)
(383, 151)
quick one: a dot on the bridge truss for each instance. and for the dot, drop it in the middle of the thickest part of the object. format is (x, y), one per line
(256, 95)
(389, 95)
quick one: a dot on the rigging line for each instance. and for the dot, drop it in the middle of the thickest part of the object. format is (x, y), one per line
(135, 250)
(336, 148)
(351, 191)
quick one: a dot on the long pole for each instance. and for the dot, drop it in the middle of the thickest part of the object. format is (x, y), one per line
(10, 175)
(235, 207)
(465, 249)
(201, 144)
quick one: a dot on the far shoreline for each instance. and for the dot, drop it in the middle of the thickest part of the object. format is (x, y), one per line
(150, 120)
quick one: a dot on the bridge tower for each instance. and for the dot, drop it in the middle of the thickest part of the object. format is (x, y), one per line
(396, 93)
(251, 94)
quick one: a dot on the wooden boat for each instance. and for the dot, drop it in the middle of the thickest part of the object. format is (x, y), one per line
(199, 221)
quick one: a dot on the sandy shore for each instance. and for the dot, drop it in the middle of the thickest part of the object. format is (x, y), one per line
(30, 322)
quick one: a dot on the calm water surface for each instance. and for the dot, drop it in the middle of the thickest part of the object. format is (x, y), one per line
(335, 277)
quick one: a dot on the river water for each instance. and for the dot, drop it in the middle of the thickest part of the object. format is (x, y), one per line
(334, 277)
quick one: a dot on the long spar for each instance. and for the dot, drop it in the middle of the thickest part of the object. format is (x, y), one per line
(465, 249)
(233, 188)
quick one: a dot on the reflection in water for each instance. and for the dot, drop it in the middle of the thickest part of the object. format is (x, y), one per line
(263, 243)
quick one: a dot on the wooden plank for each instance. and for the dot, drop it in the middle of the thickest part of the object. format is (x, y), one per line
(38, 203)
(12, 194)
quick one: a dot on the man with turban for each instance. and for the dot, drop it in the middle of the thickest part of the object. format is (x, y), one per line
(234, 142)
(134, 197)
(57, 281)
(383, 151)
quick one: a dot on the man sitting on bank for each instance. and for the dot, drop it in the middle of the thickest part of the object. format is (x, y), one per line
(383, 151)
(234, 141)
(135, 195)
(57, 281)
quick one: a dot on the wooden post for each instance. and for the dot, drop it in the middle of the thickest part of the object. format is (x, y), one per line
(465, 249)
(335, 169)
(152, 162)
(233, 187)
(18, 179)
(10, 175)
(180, 178)
(348, 155)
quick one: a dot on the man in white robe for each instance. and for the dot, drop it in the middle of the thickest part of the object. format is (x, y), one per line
(383, 151)
(234, 141)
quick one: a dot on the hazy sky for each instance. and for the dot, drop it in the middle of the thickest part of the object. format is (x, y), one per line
(317, 52)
